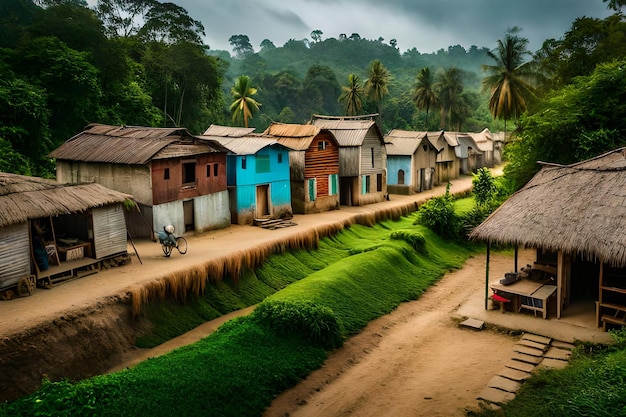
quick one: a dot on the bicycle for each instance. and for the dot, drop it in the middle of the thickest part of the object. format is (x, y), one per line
(169, 242)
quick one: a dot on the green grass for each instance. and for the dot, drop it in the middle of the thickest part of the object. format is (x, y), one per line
(588, 387)
(328, 295)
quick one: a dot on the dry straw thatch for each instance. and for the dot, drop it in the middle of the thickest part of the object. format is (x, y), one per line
(578, 209)
(185, 284)
(23, 198)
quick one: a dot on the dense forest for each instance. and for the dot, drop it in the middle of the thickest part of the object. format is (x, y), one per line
(64, 65)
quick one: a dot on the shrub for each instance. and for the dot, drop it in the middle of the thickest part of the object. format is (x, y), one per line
(438, 214)
(317, 324)
(415, 239)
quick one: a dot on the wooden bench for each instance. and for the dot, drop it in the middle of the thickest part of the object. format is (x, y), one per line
(606, 318)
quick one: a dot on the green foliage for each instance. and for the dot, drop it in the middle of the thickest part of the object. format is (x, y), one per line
(483, 186)
(315, 323)
(415, 239)
(439, 215)
(240, 368)
(590, 387)
(574, 123)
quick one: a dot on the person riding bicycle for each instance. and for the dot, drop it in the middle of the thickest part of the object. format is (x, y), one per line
(168, 237)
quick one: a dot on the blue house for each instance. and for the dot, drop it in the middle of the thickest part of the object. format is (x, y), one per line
(411, 161)
(257, 174)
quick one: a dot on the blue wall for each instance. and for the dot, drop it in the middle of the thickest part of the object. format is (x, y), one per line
(261, 168)
(396, 163)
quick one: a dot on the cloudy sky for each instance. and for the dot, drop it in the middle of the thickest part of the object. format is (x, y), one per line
(427, 25)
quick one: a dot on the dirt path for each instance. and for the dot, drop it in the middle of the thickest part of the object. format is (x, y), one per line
(415, 361)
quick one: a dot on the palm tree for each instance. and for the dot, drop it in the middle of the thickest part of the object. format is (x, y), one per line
(243, 105)
(509, 81)
(449, 87)
(377, 85)
(352, 95)
(424, 96)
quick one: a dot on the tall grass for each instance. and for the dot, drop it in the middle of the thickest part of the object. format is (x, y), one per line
(331, 293)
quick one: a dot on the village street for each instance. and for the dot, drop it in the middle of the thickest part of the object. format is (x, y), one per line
(416, 361)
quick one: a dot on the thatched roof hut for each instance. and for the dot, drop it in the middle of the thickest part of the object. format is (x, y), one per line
(578, 209)
(23, 198)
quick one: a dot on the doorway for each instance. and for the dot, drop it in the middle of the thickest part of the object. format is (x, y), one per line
(262, 201)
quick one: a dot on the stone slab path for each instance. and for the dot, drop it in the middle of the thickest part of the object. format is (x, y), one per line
(532, 352)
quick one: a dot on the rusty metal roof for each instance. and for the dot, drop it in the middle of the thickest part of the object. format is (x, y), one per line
(348, 132)
(228, 131)
(294, 136)
(246, 145)
(127, 145)
(23, 198)
(403, 142)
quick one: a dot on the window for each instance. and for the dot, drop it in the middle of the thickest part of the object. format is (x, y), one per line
(216, 170)
(280, 157)
(333, 179)
(243, 163)
(321, 145)
(166, 174)
(262, 163)
(189, 173)
(379, 182)
(365, 184)
(401, 177)
(372, 152)
(312, 186)
(208, 170)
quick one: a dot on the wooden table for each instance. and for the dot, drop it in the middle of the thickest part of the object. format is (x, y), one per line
(530, 295)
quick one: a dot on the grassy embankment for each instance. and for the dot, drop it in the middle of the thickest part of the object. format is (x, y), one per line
(329, 294)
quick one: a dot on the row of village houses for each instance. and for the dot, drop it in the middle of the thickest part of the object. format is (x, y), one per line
(205, 182)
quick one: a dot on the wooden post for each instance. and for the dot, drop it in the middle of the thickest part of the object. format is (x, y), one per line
(516, 253)
(559, 284)
(487, 277)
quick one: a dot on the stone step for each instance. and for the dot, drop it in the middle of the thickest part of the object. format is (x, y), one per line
(536, 338)
(556, 353)
(526, 358)
(496, 396)
(504, 384)
(535, 345)
(563, 345)
(527, 350)
(552, 363)
(514, 374)
(520, 366)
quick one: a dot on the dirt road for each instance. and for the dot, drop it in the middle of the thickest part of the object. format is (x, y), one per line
(415, 361)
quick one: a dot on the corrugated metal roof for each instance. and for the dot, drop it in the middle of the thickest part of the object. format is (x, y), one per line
(246, 145)
(186, 149)
(451, 138)
(123, 144)
(465, 142)
(294, 136)
(228, 131)
(403, 142)
(347, 132)
(23, 198)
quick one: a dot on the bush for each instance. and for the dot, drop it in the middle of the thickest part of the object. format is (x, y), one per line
(315, 323)
(438, 214)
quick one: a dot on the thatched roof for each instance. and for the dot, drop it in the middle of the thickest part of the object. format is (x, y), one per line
(23, 198)
(578, 209)
(130, 145)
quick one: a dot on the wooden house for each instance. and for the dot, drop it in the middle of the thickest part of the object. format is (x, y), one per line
(51, 232)
(176, 178)
(362, 158)
(411, 161)
(314, 166)
(448, 166)
(467, 152)
(257, 175)
(486, 145)
(574, 216)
